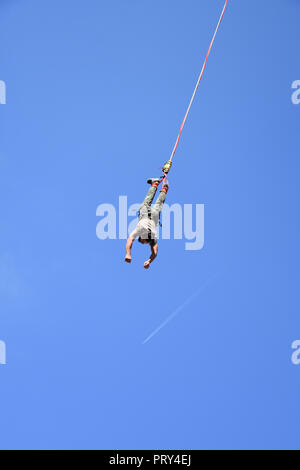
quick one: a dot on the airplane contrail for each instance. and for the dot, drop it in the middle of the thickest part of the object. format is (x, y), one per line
(178, 309)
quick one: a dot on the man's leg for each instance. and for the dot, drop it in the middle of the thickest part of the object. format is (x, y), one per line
(145, 207)
(156, 210)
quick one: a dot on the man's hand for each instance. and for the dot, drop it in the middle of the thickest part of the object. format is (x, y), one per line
(152, 257)
(147, 264)
(128, 249)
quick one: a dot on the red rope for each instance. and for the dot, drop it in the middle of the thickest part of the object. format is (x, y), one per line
(198, 81)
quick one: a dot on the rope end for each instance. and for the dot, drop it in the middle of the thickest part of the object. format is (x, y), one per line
(167, 167)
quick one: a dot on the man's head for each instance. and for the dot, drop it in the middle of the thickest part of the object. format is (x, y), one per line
(147, 241)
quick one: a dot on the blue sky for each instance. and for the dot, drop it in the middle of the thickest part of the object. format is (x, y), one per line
(96, 91)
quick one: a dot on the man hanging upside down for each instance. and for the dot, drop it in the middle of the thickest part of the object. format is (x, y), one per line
(148, 220)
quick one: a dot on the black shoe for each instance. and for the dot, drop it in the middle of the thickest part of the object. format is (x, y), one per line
(154, 180)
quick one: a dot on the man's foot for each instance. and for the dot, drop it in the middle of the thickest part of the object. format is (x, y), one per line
(165, 188)
(154, 181)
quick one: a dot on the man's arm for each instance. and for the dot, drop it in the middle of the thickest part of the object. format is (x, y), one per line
(154, 250)
(128, 249)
